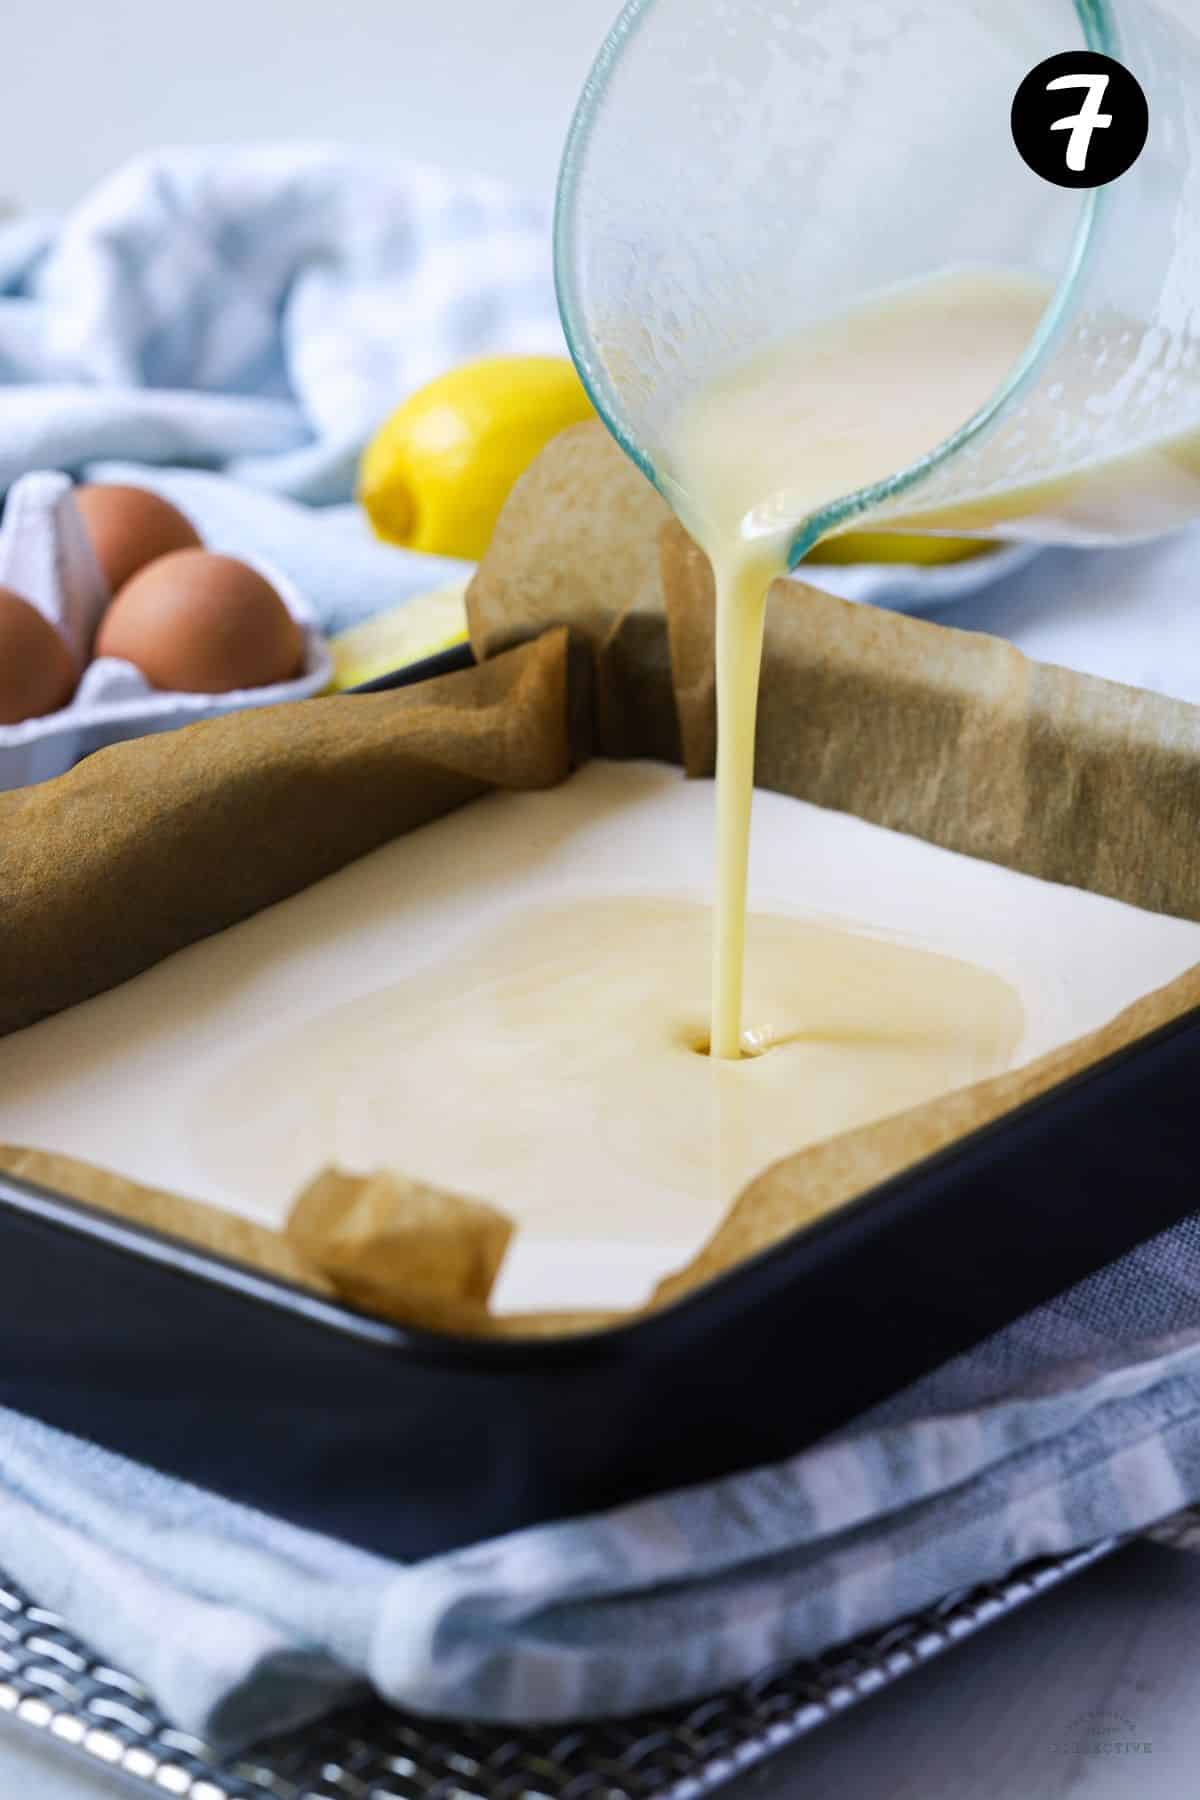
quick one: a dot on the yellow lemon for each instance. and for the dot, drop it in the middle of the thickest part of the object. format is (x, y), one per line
(419, 627)
(437, 473)
(897, 547)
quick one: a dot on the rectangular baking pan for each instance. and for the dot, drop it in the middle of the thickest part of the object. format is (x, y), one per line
(408, 1442)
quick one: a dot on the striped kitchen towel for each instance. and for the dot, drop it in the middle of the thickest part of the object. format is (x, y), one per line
(1068, 1427)
(230, 326)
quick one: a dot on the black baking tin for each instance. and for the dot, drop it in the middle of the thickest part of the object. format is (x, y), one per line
(408, 1443)
(446, 662)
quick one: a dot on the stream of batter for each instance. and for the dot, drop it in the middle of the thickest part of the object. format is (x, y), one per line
(838, 407)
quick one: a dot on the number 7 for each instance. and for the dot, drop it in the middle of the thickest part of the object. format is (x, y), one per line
(1086, 121)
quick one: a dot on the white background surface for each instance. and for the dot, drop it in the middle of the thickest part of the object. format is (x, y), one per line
(472, 84)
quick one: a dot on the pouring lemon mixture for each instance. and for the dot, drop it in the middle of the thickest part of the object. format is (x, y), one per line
(839, 407)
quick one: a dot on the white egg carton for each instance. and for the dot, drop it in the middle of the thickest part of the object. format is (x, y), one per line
(45, 556)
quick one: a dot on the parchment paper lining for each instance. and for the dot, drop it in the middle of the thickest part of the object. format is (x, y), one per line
(948, 736)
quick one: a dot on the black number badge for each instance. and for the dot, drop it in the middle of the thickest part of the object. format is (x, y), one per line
(1080, 119)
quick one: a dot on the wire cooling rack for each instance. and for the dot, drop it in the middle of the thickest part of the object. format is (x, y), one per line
(51, 1684)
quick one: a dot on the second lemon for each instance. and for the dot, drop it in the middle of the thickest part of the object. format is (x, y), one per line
(438, 471)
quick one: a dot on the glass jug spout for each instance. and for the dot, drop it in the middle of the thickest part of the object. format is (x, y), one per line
(751, 186)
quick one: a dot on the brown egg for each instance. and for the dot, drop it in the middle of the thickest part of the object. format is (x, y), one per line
(37, 671)
(130, 527)
(203, 624)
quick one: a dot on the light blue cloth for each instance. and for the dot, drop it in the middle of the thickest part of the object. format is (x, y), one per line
(230, 327)
(241, 1626)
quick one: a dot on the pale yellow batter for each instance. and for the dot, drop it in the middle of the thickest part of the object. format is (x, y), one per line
(842, 404)
(566, 1048)
(358, 1021)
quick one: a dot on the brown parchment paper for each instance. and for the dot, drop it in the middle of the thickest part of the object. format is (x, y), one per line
(593, 616)
(579, 543)
(151, 845)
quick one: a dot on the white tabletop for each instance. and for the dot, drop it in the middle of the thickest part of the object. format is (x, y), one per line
(1050, 1704)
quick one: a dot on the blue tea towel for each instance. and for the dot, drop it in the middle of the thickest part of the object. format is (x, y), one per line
(1064, 1429)
(231, 326)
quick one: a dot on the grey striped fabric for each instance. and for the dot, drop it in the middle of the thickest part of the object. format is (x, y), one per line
(1078, 1422)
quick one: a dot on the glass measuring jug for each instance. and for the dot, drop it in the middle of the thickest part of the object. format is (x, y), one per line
(739, 169)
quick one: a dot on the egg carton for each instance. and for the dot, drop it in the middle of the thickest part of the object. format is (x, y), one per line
(46, 557)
